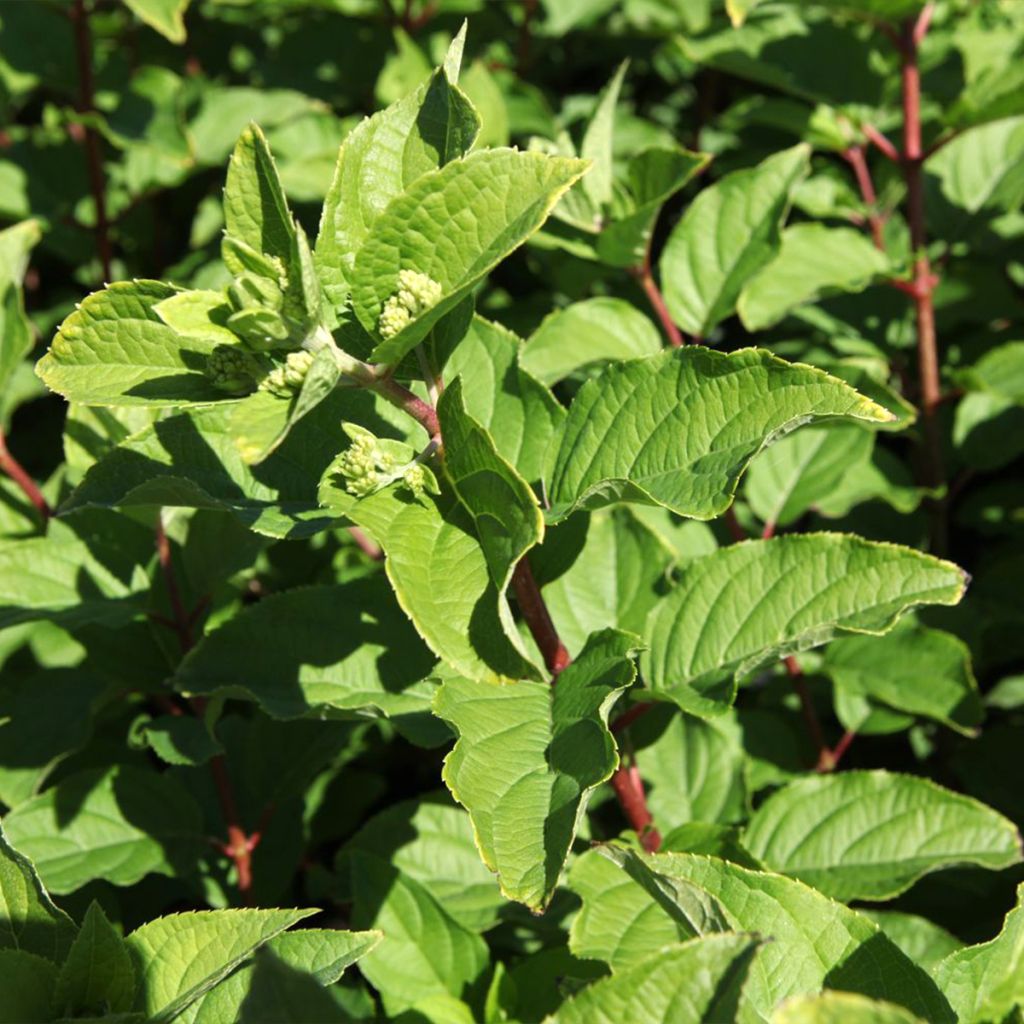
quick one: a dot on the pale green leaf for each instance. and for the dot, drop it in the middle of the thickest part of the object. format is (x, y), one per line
(15, 330)
(504, 510)
(678, 429)
(791, 477)
(841, 1008)
(588, 332)
(615, 579)
(698, 982)
(982, 168)
(166, 16)
(528, 757)
(812, 940)
(813, 261)
(98, 974)
(728, 233)
(754, 602)
(29, 921)
(346, 647)
(454, 225)
(127, 824)
(598, 137)
(425, 952)
(521, 414)
(883, 477)
(381, 157)
(116, 350)
(985, 983)
(916, 670)
(180, 957)
(871, 835)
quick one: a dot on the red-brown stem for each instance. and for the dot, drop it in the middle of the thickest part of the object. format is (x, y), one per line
(369, 547)
(93, 152)
(629, 788)
(877, 139)
(401, 397)
(238, 846)
(645, 278)
(182, 619)
(538, 619)
(807, 707)
(736, 531)
(829, 759)
(855, 157)
(912, 32)
(627, 718)
(14, 469)
(769, 530)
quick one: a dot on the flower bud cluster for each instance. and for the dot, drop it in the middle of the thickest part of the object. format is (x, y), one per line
(416, 294)
(370, 464)
(232, 369)
(286, 378)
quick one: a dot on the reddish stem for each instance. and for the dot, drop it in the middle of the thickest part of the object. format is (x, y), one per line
(877, 139)
(769, 530)
(93, 153)
(650, 288)
(369, 547)
(807, 707)
(855, 157)
(401, 397)
(627, 718)
(14, 469)
(538, 619)
(736, 531)
(629, 788)
(238, 846)
(830, 759)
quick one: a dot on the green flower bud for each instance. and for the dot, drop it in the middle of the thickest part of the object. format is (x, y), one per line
(232, 369)
(416, 294)
(286, 379)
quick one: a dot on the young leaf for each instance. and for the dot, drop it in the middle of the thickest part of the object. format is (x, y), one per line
(916, 670)
(504, 510)
(520, 413)
(349, 648)
(381, 157)
(526, 784)
(29, 921)
(871, 835)
(128, 823)
(180, 957)
(594, 330)
(98, 974)
(453, 226)
(425, 952)
(813, 261)
(116, 350)
(702, 416)
(986, 982)
(841, 1008)
(700, 981)
(597, 141)
(728, 233)
(751, 603)
(814, 941)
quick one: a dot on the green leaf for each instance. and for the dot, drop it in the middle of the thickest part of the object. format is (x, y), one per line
(127, 824)
(504, 510)
(280, 993)
(191, 460)
(588, 332)
(520, 413)
(812, 941)
(615, 580)
(751, 603)
(871, 835)
(348, 647)
(698, 981)
(29, 921)
(425, 952)
(999, 372)
(116, 350)
(454, 225)
(841, 1008)
(318, 956)
(28, 982)
(166, 16)
(180, 740)
(381, 158)
(439, 574)
(916, 670)
(884, 477)
(431, 842)
(922, 940)
(813, 261)
(728, 233)
(182, 956)
(986, 982)
(702, 416)
(15, 329)
(597, 141)
(526, 784)
(803, 469)
(981, 169)
(98, 975)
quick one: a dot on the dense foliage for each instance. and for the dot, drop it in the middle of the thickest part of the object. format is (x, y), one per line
(506, 558)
